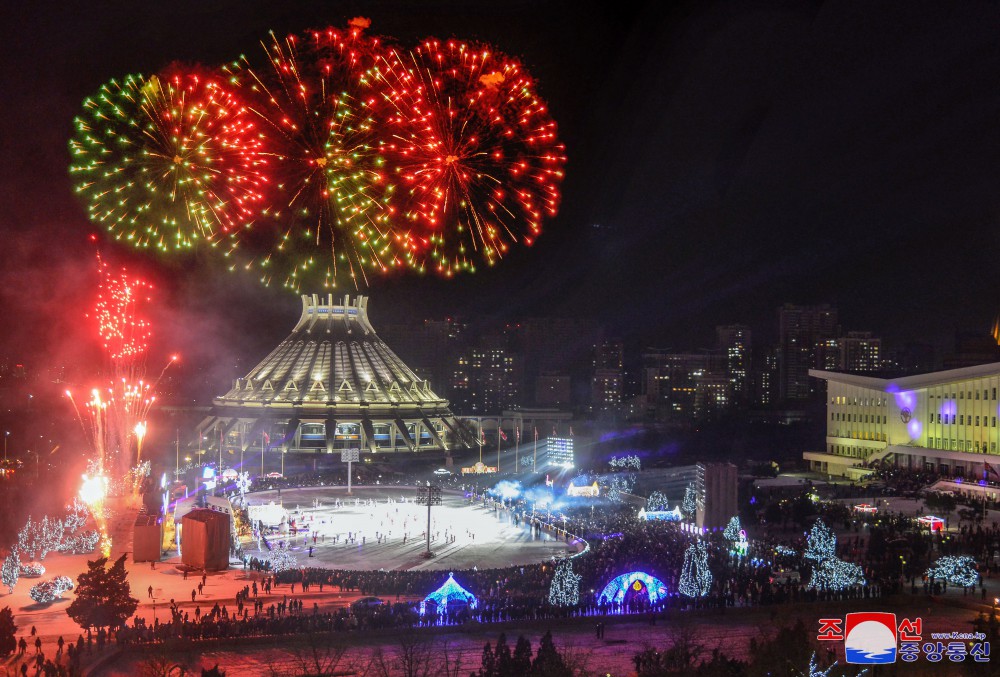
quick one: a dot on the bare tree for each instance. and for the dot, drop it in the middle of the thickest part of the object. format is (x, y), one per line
(162, 664)
(413, 657)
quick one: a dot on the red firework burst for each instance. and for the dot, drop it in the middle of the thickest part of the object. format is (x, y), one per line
(475, 151)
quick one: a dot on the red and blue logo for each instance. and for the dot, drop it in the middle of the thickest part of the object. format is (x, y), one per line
(870, 638)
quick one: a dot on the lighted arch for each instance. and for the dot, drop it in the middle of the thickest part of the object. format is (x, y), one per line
(615, 591)
(451, 591)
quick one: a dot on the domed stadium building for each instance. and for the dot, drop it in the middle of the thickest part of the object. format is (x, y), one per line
(332, 385)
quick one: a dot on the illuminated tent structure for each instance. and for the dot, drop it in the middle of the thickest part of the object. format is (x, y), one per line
(614, 592)
(449, 593)
(331, 385)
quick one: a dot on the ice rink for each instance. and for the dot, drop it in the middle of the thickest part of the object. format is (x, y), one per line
(383, 528)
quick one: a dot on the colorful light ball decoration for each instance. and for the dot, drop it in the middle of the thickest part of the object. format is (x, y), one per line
(476, 153)
(169, 161)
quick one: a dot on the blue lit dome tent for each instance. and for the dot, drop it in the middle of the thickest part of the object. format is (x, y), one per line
(615, 591)
(449, 593)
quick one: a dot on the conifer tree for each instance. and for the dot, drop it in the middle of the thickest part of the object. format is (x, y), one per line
(548, 661)
(696, 579)
(8, 639)
(521, 660)
(504, 659)
(11, 570)
(565, 588)
(732, 532)
(103, 596)
(822, 543)
(689, 506)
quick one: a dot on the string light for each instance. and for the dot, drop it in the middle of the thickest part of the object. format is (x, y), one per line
(960, 570)
(696, 578)
(565, 588)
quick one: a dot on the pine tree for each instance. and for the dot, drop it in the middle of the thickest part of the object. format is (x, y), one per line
(822, 543)
(689, 506)
(696, 579)
(50, 535)
(732, 532)
(103, 596)
(488, 667)
(521, 660)
(27, 539)
(548, 662)
(8, 641)
(504, 660)
(565, 588)
(11, 570)
(657, 501)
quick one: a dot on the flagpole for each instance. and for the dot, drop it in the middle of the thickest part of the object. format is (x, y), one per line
(262, 454)
(499, 423)
(517, 443)
(534, 456)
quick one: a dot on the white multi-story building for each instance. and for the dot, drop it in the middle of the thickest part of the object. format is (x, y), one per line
(944, 420)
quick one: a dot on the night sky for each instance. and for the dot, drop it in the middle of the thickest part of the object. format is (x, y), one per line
(724, 158)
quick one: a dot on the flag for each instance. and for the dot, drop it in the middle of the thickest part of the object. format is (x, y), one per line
(503, 435)
(267, 438)
(990, 469)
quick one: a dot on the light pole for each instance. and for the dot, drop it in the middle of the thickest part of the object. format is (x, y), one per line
(6, 434)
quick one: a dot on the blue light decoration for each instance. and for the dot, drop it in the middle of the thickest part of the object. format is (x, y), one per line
(614, 592)
(208, 472)
(665, 515)
(450, 592)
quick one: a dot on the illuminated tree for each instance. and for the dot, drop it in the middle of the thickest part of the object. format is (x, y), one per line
(11, 570)
(657, 501)
(960, 570)
(836, 574)
(565, 589)
(732, 532)
(689, 506)
(822, 543)
(696, 579)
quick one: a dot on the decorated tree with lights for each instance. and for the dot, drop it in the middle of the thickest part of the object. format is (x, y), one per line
(11, 570)
(280, 559)
(689, 506)
(732, 532)
(836, 574)
(50, 535)
(822, 543)
(565, 588)
(76, 516)
(28, 538)
(696, 578)
(959, 570)
(657, 501)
